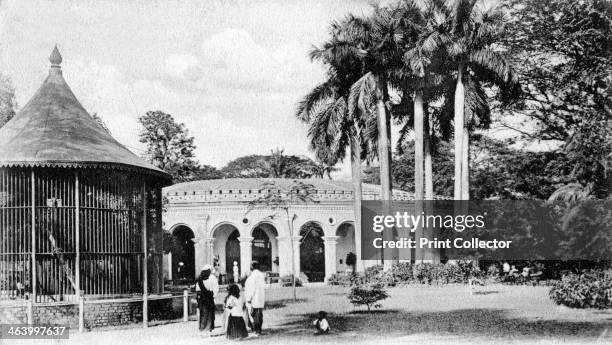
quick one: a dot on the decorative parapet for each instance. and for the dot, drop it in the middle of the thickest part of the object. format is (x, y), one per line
(246, 195)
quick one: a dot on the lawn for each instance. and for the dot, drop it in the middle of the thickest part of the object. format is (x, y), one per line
(494, 314)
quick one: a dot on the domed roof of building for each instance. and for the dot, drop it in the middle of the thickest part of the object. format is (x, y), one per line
(54, 130)
(254, 185)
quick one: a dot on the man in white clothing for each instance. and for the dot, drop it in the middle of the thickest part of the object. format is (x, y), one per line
(255, 295)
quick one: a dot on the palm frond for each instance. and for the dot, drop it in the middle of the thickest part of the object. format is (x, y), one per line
(318, 94)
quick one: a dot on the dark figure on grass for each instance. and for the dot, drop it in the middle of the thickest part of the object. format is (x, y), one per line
(236, 325)
(207, 289)
(321, 324)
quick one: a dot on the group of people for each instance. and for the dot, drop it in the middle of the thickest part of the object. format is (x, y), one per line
(530, 271)
(243, 305)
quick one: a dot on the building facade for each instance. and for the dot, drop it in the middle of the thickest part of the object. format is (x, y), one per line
(215, 224)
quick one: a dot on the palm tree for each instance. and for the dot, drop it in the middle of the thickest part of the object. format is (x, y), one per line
(374, 43)
(333, 128)
(474, 29)
(379, 44)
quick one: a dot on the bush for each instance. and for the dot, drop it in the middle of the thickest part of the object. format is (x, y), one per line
(592, 289)
(469, 269)
(341, 279)
(367, 294)
(287, 280)
(402, 271)
(420, 273)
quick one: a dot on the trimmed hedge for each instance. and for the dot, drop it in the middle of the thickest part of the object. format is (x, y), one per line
(591, 289)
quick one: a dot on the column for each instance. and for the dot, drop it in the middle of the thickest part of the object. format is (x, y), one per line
(330, 243)
(284, 255)
(246, 254)
(204, 251)
(202, 244)
(296, 254)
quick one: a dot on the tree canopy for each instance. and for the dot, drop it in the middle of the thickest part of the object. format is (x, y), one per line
(170, 148)
(7, 100)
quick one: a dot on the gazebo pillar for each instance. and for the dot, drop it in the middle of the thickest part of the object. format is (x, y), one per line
(145, 260)
(330, 243)
(77, 240)
(33, 235)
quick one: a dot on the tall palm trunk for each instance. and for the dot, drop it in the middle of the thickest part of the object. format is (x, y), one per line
(433, 255)
(418, 145)
(459, 124)
(418, 166)
(429, 193)
(357, 194)
(384, 158)
(465, 164)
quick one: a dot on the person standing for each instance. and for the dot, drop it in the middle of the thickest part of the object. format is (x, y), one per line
(236, 327)
(255, 296)
(207, 289)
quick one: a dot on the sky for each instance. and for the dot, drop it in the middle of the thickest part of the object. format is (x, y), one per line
(232, 71)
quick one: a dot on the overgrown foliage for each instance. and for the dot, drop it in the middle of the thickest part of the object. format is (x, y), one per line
(592, 289)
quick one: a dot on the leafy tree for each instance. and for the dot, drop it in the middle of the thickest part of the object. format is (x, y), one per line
(246, 167)
(170, 148)
(206, 172)
(561, 53)
(279, 202)
(275, 165)
(7, 100)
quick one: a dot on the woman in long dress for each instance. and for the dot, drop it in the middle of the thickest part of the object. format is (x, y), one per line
(236, 327)
(207, 288)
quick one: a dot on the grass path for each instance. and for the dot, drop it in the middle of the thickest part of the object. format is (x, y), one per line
(413, 315)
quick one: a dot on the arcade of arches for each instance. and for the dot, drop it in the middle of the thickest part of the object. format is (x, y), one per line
(229, 235)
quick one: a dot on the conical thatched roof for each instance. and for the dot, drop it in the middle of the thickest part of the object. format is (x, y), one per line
(54, 130)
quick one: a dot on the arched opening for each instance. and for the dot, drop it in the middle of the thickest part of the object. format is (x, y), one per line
(232, 254)
(265, 247)
(226, 251)
(345, 247)
(183, 254)
(312, 252)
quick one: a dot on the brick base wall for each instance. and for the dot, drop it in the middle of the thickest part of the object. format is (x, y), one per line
(98, 314)
(13, 314)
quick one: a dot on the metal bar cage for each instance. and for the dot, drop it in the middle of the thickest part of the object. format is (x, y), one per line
(87, 229)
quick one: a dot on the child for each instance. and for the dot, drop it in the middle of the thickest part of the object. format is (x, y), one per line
(321, 323)
(236, 328)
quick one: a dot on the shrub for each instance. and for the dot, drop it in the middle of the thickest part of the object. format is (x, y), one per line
(341, 279)
(367, 294)
(402, 271)
(287, 281)
(592, 289)
(373, 270)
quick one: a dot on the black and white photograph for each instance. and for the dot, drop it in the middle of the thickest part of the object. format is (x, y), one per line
(306, 171)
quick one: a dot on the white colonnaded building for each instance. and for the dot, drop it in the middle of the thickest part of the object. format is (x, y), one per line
(212, 222)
